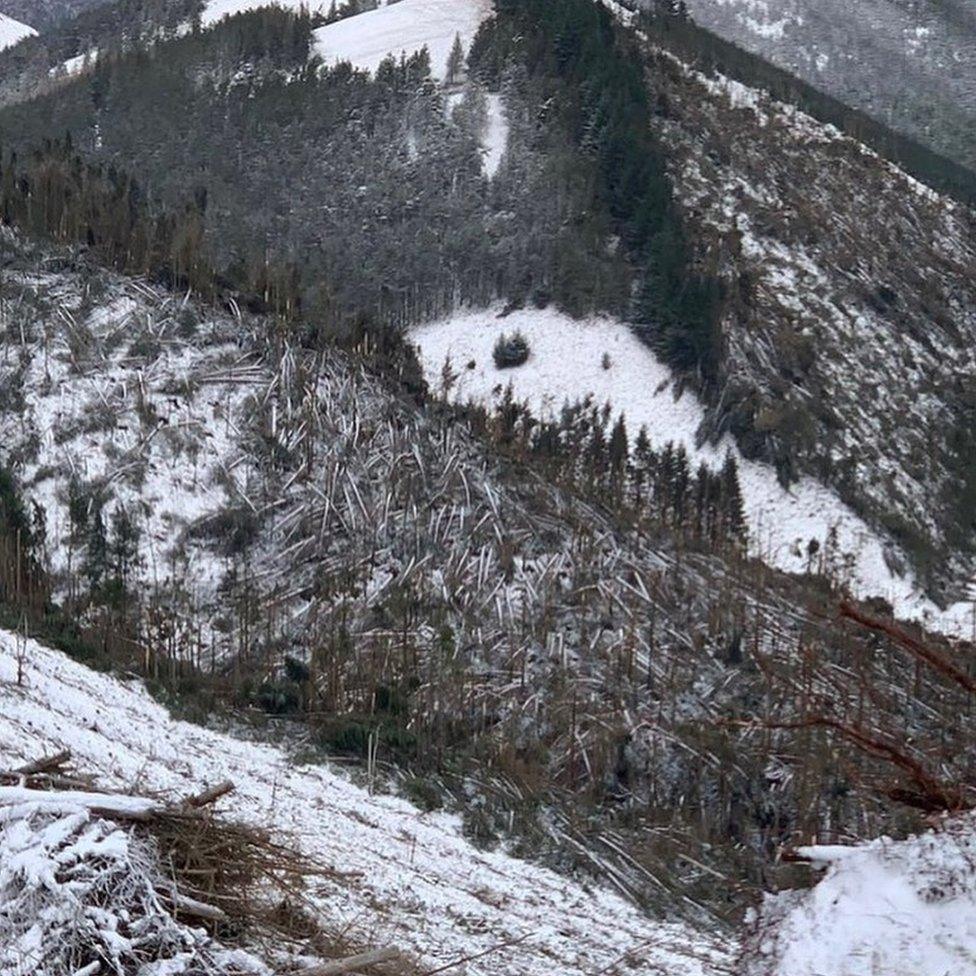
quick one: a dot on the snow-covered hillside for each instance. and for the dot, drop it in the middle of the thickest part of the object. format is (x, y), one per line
(602, 358)
(365, 39)
(401, 876)
(13, 31)
(406, 26)
(888, 908)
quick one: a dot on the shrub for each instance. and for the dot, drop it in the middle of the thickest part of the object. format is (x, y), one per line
(510, 351)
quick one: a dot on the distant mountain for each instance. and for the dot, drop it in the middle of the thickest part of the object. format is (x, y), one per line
(912, 65)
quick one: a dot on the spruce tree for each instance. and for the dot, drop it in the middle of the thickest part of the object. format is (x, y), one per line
(455, 62)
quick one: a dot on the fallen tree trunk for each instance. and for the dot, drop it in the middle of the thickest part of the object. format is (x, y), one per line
(341, 966)
(212, 795)
(114, 806)
(45, 764)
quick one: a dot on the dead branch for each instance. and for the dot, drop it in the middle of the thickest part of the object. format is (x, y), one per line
(477, 955)
(211, 795)
(109, 805)
(198, 909)
(901, 637)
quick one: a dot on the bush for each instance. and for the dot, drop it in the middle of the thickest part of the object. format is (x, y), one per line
(510, 351)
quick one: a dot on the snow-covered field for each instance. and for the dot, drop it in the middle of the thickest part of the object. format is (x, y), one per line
(367, 38)
(13, 31)
(566, 364)
(403, 876)
(888, 908)
(406, 27)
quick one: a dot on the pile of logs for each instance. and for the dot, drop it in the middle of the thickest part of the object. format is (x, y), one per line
(48, 782)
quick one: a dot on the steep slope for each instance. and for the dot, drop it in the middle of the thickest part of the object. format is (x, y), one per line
(797, 528)
(909, 64)
(400, 876)
(236, 517)
(849, 316)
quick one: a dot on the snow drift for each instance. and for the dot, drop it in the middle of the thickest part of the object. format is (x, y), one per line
(905, 908)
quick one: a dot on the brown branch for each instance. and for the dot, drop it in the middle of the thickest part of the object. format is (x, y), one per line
(211, 795)
(901, 637)
(931, 793)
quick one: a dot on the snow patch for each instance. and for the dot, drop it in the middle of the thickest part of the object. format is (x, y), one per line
(13, 32)
(496, 135)
(407, 26)
(905, 908)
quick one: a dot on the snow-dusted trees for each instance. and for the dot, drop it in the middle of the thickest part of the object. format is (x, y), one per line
(455, 62)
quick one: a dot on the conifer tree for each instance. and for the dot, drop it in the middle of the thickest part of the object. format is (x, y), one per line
(455, 62)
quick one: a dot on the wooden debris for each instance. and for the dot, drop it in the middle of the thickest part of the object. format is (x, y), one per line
(211, 795)
(362, 961)
(46, 764)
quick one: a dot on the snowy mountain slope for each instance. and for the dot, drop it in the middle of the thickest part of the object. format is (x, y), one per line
(221, 502)
(850, 314)
(13, 32)
(405, 26)
(901, 908)
(402, 876)
(127, 417)
(392, 28)
(567, 364)
(911, 65)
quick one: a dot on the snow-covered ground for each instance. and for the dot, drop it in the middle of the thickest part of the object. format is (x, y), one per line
(403, 876)
(407, 26)
(566, 364)
(13, 31)
(888, 908)
(156, 447)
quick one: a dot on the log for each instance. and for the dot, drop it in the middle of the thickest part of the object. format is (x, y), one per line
(341, 966)
(109, 805)
(44, 765)
(211, 795)
(198, 909)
